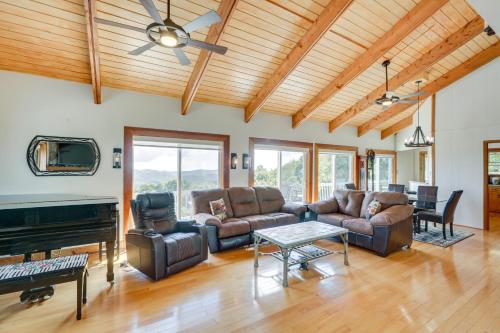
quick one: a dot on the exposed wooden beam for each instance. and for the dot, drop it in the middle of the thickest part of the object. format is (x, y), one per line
(414, 18)
(402, 124)
(323, 23)
(226, 10)
(450, 44)
(95, 71)
(453, 75)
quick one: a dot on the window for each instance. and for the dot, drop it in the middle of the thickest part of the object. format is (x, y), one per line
(494, 163)
(335, 169)
(178, 166)
(383, 173)
(285, 167)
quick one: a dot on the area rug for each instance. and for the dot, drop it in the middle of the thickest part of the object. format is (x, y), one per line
(434, 236)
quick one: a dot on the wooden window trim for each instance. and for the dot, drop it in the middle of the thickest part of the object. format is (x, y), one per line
(283, 143)
(486, 203)
(128, 157)
(394, 162)
(324, 146)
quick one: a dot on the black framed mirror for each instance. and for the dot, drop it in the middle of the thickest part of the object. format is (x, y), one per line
(63, 156)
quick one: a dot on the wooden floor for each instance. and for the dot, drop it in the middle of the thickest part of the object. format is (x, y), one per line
(424, 289)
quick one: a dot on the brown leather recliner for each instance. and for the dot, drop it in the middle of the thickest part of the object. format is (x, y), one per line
(385, 232)
(160, 245)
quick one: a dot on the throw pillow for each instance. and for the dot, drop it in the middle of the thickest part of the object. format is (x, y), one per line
(373, 209)
(218, 208)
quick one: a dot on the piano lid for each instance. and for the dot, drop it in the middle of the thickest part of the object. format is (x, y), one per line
(19, 201)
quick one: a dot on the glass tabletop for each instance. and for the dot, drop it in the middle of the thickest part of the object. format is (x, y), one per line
(413, 198)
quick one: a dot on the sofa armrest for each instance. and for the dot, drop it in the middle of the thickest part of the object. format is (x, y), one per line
(146, 252)
(325, 206)
(294, 208)
(207, 219)
(392, 215)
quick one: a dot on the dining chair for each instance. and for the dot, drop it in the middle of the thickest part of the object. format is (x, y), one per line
(396, 188)
(446, 217)
(427, 197)
(350, 186)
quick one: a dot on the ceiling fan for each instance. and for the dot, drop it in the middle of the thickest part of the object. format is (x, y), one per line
(389, 98)
(166, 33)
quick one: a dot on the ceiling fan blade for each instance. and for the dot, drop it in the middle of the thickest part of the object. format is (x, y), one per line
(207, 46)
(181, 56)
(406, 102)
(142, 49)
(152, 10)
(412, 95)
(203, 21)
(119, 25)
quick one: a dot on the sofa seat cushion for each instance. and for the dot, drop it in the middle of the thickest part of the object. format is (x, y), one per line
(181, 245)
(284, 218)
(260, 221)
(233, 227)
(334, 218)
(360, 225)
(243, 201)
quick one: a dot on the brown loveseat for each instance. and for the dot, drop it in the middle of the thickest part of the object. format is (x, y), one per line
(385, 232)
(247, 209)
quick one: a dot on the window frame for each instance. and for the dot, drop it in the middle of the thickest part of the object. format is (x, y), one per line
(282, 145)
(128, 158)
(332, 148)
(393, 153)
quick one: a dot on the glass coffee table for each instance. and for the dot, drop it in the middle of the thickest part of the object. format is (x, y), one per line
(295, 243)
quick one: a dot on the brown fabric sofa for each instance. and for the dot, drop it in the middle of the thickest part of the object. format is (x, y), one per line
(247, 209)
(386, 232)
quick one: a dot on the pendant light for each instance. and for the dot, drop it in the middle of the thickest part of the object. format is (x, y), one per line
(418, 139)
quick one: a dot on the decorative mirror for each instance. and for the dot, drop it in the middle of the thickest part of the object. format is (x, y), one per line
(61, 156)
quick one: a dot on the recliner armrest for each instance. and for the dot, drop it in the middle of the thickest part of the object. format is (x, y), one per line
(294, 208)
(392, 215)
(146, 232)
(146, 252)
(207, 219)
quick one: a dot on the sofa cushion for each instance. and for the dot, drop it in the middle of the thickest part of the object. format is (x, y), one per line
(334, 218)
(387, 199)
(218, 208)
(201, 200)
(233, 227)
(181, 245)
(260, 221)
(325, 206)
(349, 201)
(284, 218)
(270, 199)
(360, 225)
(243, 201)
(373, 209)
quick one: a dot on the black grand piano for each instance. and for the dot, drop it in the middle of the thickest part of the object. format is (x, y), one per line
(45, 222)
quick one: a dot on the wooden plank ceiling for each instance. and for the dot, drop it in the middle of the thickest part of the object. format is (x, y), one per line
(49, 37)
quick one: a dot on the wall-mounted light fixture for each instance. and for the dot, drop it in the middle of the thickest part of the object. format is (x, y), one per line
(117, 158)
(234, 160)
(246, 161)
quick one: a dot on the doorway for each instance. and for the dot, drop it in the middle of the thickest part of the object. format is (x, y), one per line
(491, 184)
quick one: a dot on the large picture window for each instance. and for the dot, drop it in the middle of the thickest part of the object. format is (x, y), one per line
(178, 167)
(282, 164)
(158, 160)
(335, 168)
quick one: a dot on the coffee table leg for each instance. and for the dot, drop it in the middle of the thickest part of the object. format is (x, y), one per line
(285, 253)
(256, 251)
(346, 248)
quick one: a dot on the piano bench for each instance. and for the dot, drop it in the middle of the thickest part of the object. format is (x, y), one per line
(43, 273)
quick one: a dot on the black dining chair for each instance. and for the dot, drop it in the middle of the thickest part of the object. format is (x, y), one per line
(446, 217)
(396, 188)
(427, 197)
(350, 186)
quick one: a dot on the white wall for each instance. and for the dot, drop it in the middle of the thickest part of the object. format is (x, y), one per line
(31, 105)
(467, 113)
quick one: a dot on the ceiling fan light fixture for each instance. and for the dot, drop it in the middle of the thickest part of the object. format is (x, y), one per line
(387, 102)
(168, 38)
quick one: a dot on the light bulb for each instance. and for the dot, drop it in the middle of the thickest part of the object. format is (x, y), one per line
(387, 102)
(168, 38)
